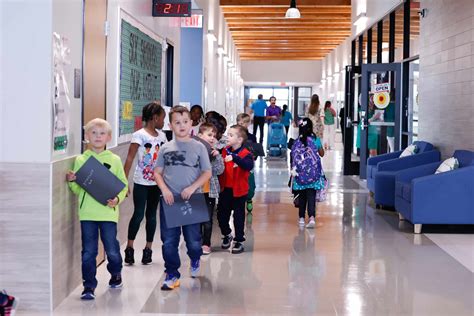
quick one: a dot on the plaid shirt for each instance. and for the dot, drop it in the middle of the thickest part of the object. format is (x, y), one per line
(217, 164)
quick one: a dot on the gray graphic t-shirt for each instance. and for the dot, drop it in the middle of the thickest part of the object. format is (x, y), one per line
(182, 163)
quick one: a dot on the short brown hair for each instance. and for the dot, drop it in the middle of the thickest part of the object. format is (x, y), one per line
(178, 109)
(242, 116)
(241, 131)
(207, 126)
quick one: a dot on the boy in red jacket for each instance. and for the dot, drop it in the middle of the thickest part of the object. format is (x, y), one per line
(234, 183)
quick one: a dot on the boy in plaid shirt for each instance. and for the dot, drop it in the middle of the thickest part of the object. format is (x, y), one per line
(207, 133)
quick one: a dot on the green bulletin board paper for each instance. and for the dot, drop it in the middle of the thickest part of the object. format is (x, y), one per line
(140, 76)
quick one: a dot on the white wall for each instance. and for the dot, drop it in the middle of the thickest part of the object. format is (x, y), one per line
(375, 10)
(281, 71)
(25, 64)
(67, 22)
(223, 86)
(166, 28)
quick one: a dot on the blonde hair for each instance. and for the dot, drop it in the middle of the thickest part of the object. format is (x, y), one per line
(98, 122)
(243, 117)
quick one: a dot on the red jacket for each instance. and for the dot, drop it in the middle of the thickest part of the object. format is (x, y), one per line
(236, 178)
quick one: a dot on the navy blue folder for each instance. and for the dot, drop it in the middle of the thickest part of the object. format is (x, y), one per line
(97, 180)
(182, 212)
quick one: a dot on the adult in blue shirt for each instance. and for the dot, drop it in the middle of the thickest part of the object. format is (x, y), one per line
(259, 108)
(286, 118)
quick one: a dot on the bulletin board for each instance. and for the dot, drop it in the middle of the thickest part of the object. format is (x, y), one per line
(140, 75)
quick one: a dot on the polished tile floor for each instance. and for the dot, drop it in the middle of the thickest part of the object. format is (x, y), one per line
(358, 261)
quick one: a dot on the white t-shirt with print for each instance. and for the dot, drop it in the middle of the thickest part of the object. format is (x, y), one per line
(147, 155)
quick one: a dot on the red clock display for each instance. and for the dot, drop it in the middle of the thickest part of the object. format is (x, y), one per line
(171, 8)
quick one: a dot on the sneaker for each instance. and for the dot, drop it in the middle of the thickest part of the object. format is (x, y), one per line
(195, 267)
(115, 282)
(206, 250)
(301, 221)
(129, 259)
(311, 223)
(9, 308)
(226, 241)
(249, 206)
(238, 247)
(170, 283)
(88, 294)
(146, 259)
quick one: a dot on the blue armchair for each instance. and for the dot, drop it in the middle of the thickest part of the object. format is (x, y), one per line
(381, 171)
(423, 197)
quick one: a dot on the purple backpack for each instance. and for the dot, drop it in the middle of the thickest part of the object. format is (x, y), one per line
(307, 162)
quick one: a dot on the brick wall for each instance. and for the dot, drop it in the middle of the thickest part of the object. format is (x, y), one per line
(446, 112)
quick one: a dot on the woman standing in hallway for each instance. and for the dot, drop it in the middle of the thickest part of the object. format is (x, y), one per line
(146, 142)
(306, 170)
(316, 116)
(329, 126)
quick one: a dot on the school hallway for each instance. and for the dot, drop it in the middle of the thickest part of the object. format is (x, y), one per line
(357, 261)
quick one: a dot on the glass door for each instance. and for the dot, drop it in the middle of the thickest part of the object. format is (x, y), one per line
(350, 121)
(380, 114)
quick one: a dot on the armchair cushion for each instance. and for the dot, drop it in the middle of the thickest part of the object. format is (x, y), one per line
(464, 157)
(448, 165)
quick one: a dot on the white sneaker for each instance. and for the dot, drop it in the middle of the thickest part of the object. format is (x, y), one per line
(301, 221)
(311, 223)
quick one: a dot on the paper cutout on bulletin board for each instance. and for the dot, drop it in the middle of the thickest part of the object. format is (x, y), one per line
(127, 113)
(381, 99)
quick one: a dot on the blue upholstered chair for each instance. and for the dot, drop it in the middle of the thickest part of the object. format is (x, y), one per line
(423, 197)
(381, 170)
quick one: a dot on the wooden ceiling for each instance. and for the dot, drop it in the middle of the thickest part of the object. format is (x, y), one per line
(261, 32)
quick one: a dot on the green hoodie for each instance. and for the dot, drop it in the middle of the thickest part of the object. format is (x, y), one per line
(89, 208)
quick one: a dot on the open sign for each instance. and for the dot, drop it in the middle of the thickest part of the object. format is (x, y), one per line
(381, 87)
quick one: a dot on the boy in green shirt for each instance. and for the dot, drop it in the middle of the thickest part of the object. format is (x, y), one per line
(96, 217)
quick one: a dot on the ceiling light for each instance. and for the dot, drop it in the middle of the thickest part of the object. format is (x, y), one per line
(293, 12)
(211, 36)
(220, 50)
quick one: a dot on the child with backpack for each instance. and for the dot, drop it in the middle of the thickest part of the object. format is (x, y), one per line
(307, 171)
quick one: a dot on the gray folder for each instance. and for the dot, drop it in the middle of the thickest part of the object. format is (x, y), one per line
(182, 212)
(97, 180)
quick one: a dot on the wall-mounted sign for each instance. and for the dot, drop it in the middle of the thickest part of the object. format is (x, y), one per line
(171, 8)
(193, 21)
(381, 87)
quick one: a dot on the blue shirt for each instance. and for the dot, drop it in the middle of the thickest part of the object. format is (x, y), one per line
(259, 107)
(286, 118)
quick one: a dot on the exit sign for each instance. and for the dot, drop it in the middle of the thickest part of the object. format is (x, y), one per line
(193, 21)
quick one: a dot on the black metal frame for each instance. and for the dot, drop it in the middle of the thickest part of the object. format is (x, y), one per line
(349, 166)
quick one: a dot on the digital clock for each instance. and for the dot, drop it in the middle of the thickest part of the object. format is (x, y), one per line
(171, 8)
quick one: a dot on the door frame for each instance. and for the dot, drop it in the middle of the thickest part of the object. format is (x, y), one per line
(396, 83)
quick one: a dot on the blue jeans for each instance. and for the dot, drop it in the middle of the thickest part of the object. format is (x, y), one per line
(90, 239)
(170, 238)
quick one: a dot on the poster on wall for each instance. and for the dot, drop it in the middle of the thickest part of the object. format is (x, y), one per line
(140, 75)
(61, 101)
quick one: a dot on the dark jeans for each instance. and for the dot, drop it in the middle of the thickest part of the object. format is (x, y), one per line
(206, 227)
(170, 238)
(90, 239)
(287, 128)
(144, 196)
(227, 203)
(260, 122)
(307, 197)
